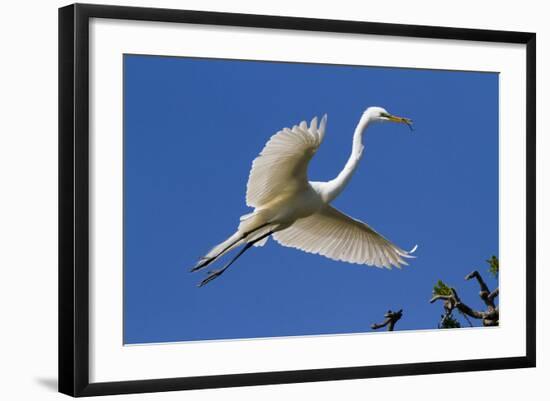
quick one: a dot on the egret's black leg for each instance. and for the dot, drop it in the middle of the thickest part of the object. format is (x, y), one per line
(216, 273)
(203, 262)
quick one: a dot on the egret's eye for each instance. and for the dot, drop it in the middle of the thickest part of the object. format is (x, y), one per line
(386, 115)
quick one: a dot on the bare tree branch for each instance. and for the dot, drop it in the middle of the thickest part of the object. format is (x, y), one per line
(438, 297)
(391, 319)
(490, 317)
(475, 274)
(484, 292)
(493, 295)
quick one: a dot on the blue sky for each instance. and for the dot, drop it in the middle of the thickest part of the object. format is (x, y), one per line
(193, 127)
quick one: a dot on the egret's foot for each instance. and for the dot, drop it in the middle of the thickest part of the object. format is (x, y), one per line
(211, 276)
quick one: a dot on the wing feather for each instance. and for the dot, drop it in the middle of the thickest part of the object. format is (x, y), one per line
(337, 236)
(281, 167)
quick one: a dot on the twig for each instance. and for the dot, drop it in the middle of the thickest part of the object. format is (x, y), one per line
(391, 319)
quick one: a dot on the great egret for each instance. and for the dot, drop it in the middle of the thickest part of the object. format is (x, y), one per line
(297, 212)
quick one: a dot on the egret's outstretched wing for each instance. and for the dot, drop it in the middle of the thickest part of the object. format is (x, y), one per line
(281, 166)
(337, 236)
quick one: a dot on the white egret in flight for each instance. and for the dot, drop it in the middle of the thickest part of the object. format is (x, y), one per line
(297, 212)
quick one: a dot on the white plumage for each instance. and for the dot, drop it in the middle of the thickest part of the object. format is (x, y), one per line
(297, 212)
(333, 234)
(281, 167)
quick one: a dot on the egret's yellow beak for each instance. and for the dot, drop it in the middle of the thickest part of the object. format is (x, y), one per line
(402, 120)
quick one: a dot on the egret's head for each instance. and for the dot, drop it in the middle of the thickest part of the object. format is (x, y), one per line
(379, 114)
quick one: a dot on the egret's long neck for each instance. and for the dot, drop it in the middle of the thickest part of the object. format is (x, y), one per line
(337, 185)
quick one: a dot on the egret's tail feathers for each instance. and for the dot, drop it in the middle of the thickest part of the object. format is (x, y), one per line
(203, 262)
(262, 242)
(413, 249)
(251, 219)
(216, 273)
(224, 246)
(247, 216)
(219, 250)
(237, 239)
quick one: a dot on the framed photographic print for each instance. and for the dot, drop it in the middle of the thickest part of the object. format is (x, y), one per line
(250, 199)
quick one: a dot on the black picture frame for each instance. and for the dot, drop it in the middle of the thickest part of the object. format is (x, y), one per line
(74, 198)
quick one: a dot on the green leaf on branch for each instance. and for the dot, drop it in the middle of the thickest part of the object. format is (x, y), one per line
(441, 288)
(493, 266)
